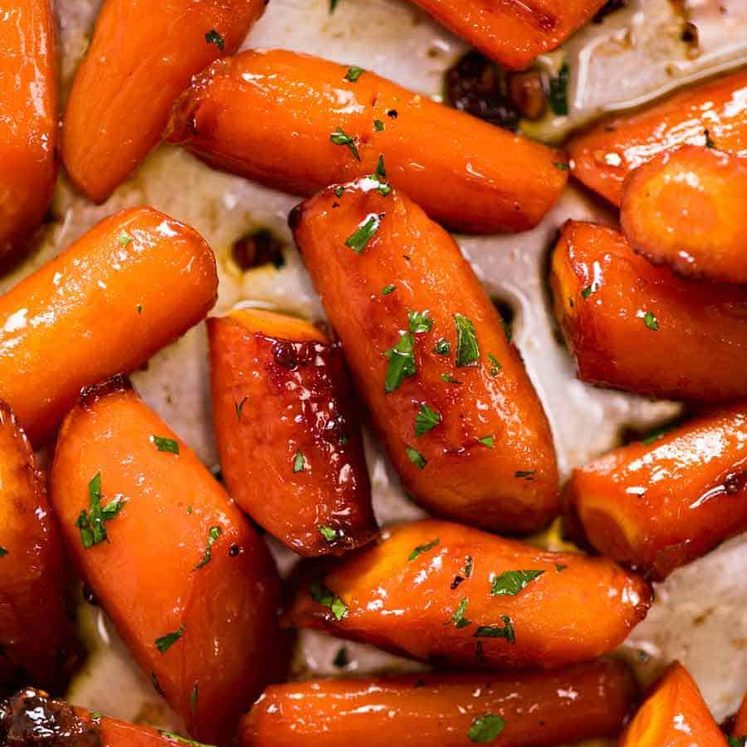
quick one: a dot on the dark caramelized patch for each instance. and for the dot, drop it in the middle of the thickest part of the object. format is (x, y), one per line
(609, 7)
(257, 248)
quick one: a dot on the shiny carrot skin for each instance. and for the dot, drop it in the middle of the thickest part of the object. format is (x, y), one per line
(188, 583)
(28, 121)
(685, 209)
(711, 112)
(740, 723)
(124, 290)
(641, 328)
(674, 715)
(449, 594)
(513, 32)
(465, 429)
(290, 445)
(299, 124)
(443, 709)
(141, 57)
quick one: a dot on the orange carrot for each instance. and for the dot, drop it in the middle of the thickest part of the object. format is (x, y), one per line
(740, 724)
(300, 123)
(141, 57)
(189, 585)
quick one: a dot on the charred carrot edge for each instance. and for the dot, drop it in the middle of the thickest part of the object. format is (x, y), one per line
(28, 121)
(292, 133)
(445, 593)
(740, 723)
(446, 389)
(197, 605)
(289, 442)
(124, 290)
(102, 143)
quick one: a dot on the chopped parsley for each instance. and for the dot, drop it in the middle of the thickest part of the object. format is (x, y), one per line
(468, 351)
(586, 292)
(124, 238)
(213, 37)
(495, 365)
(165, 444)
(387, 289)
(340, 137)
(559, 567)
(339, 191)
(330, 534)
(525, 474)
(488, 441)
(419, 321)
(486, 728)
(426, 419)
(174, 737)
(239, 407)
(497, 631)
(449, 379)
(511, 583)
(420, 549)
(416, 457)
(299, 462)
(558, 93)
(354, 73)
(378, 125)
(380, 172)
(92, 523)
(442, 347)
(560, 165)
(213, 534)
(737, 741)
(401, 363)
(165, 642)
(651, 321)
(458, 618)
(365, 231)
(3, 552)
(322, 595)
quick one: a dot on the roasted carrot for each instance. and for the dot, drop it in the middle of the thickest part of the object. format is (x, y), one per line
(188, 583)
(290, 445)
(141, 57)
(28, 120)
(446, 593)
(513, 32)
(674, 715)
(740, 724)
(685, 208)
(127, 288)
(641, 328)
(445, 387)
(451, 710)
(710, 113)
(300, 123)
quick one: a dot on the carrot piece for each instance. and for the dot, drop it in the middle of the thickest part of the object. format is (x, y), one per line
(289, 442)
(127, 288)
(445, 387)
(445, 709)
(513, 32)
(443, 592)
(708, 113)
(641, 328)
(188, 583)
(299, 123)
(740, 723)
(674, 715)
(28, 121)
(141, 57)
(685, 208)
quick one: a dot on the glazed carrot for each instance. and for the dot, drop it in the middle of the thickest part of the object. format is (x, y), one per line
(35, 629)
(446, 389)
(28, 120)
(188, 583)
(299, 123)
(446, 593)
(675, 715)
(740, 723)
(290, 445)
(513, 32)
(685, 208)
(451, 710)
(712, 112)
(127, 288)
(141, 57)
(641, 328)
(656, 506)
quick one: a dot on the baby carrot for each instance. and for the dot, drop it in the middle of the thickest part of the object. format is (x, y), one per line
(740, 724)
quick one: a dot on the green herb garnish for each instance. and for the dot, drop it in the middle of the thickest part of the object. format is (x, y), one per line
(651, 321)
(496, 631)
(322, 595)
(354, 73)
(426, 419)
(558, 93)
(213, 534)
(458, 618)
(467, 350)
(165, 642)
(165, 444)
(486, 728)
(511, 583)
(328, 533)
(416, 457)
(488, 441)
(340, 137)
(387, 289)
(91, 523)
(419, 321)
(401, 363)
(359, 239)
(420, 549)
(299, 462)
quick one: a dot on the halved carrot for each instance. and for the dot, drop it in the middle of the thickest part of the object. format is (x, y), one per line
(141, 57)
(583, 702)
(288, 437)
(188, 583)
(127, 288)
(300, 123)
(445, 387)
(707, 113)
(740, 724)
(28, 120)
(445, 593)
(641, 328)
(675, 715)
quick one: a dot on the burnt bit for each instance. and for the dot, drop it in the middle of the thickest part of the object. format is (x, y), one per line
(258, 248)
(609, 7)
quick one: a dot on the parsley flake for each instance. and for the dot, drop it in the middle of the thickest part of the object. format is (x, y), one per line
(387, 289)
(213, 534)
(124, 238)
(299, 462)
(213, 37)
(340, 137)
(426, 419)
(174, 737)
(525, 474)
(496, 631)
(586, 292)
(488, 441)
(378, 125)
(419, 321)
(651, 321)
(416, 457)
(165, 642)
(354, 73)
(380, 172)
(468, 351)
(558, 93)
(322, 595)
(401, 363)
(495, 365)
(511, 583)
(165, 444)
(92, 523)
(458, 618)
(3, 552)
(328, 533)
(365, 231)
(420, 549)
(486, 728)
(442, 347)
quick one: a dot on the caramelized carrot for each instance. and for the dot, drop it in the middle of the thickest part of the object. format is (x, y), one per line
(299, 123)
(513, 32)
(452, 710)
(141, 57)
(290, 446)
(675, 715)
(443, 592)
(740, 724)
(708, 113)
(188, 583)
(446, 389)
(685, 208)
(640, 328)
(28, 120)
(127, 288)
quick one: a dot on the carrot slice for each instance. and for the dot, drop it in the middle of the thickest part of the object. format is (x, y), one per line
(740, 724)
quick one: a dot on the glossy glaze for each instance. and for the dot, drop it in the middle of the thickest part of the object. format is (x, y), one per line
(405, 595)
(154, 575)
(510, 481)
(269, 116)
(641, 328)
